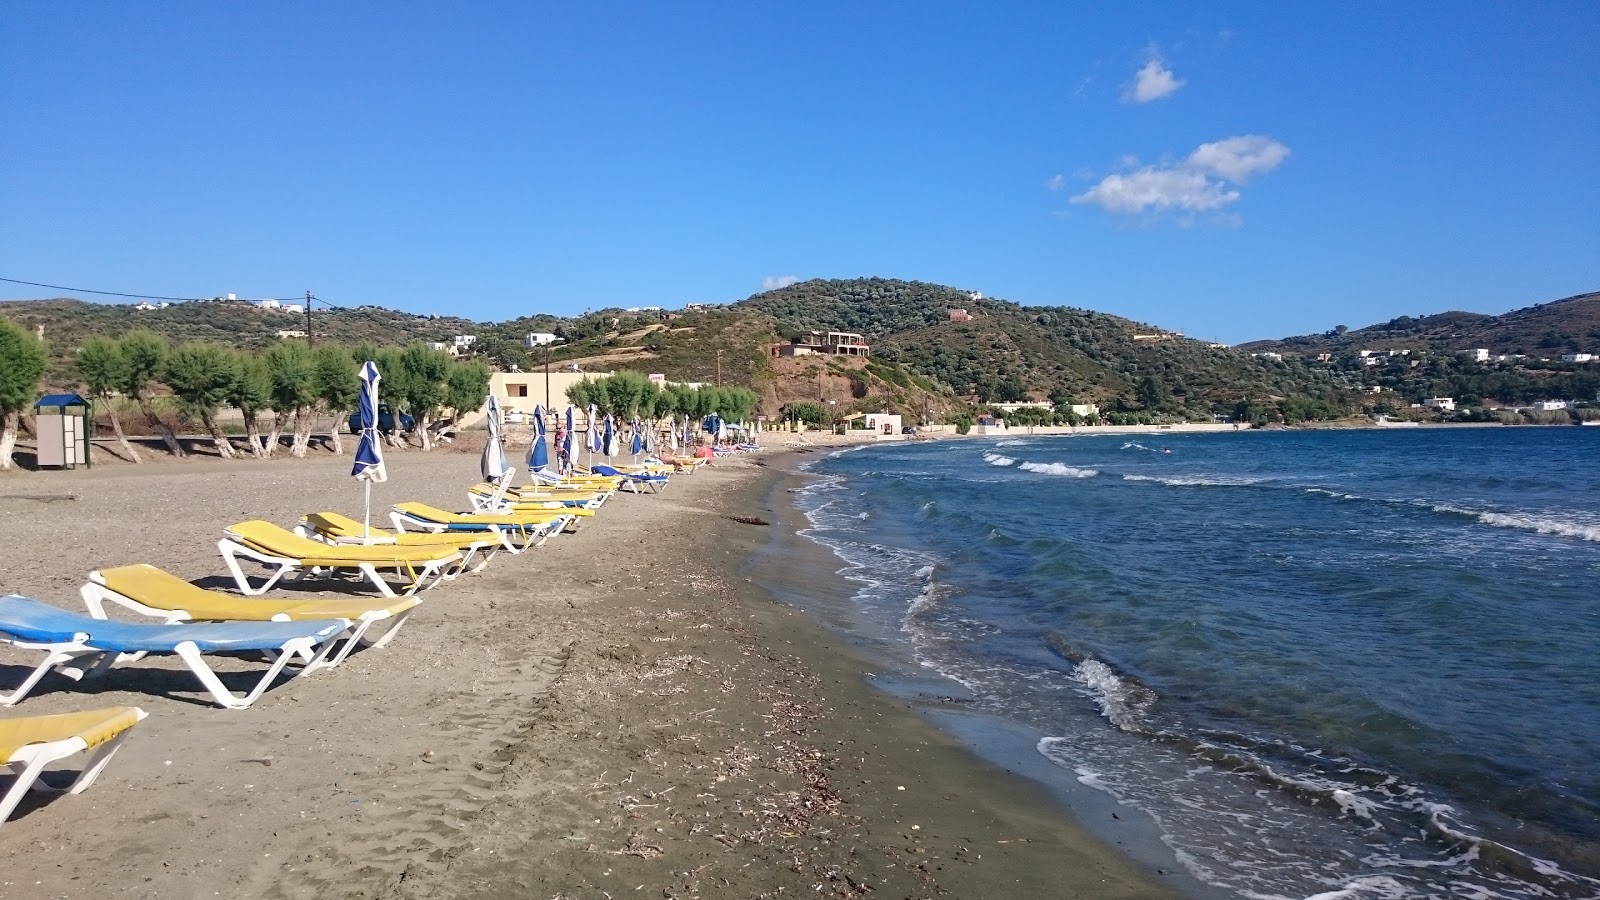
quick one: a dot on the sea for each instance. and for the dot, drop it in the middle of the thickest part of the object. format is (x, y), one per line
(1319, 664)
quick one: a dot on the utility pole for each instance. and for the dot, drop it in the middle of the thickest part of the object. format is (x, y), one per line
(311, 340)
(719, 368)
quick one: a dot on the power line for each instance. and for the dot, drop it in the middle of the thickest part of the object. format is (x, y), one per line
(57, 287)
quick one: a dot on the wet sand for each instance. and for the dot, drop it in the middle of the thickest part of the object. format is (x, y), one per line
(618, 713)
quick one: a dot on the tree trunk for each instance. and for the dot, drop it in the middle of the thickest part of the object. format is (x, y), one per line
(252, 433)
(302, 432)
(8, 439)
(161, 428)
(279, 419)
(422, 431)
(116, 428)
(224, 448)
(334, 435)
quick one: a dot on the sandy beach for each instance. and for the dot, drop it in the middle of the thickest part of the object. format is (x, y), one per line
(621, 712)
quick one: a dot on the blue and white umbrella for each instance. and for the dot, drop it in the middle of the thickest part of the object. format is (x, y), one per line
(369, 452)
(596, 445)
(650, 439)
(566, 440)
(539, 453)
(610, 444)
(672, 434)
(637, 444)
(492, 465)
(688, 432)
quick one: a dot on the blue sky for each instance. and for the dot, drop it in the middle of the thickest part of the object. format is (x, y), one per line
(1234, 171)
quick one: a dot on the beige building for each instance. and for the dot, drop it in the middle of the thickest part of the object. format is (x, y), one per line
(520, 392)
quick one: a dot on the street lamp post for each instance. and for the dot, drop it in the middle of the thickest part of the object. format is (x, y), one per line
(546, 343)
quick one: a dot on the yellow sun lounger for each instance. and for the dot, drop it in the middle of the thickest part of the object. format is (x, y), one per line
(485, 495)
(528, 527)
(336, 528)
(153, 592)
(270, 545)
(29, 744)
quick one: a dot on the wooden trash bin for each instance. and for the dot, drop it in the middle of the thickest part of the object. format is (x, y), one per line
(64, 424)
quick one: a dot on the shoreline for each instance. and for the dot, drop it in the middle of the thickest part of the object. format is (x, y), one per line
(996, 758)
(615, 710)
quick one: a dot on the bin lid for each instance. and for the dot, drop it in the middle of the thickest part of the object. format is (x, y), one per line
(59, 400)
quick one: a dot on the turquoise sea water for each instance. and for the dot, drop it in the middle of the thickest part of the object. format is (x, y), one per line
(1325, 664)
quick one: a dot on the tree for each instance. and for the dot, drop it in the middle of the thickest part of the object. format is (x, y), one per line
(202, 376)
(292, 374)
(425, 379)
(467, 388)
(806, 412)
(252, 394)
(626, 392)
(338, 388)
(103, 367)
(22, 361)
(145, 353)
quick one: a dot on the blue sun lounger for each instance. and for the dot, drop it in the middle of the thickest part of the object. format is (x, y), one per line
(634, 481)
(68, 637)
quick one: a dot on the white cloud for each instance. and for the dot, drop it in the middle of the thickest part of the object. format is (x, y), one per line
(773, 282)
(1238, 158)
(1158, 189)
(1152, 82)
(1205, 182)
(1056, 182)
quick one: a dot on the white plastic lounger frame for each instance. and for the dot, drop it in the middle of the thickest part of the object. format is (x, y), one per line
(61, 655)
(474, 555)
(95, 593)
(429, 574)
(29, 760)
(536, 534)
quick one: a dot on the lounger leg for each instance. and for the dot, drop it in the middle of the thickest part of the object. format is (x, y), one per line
(25, 780)
(97, 763)
(228, 699)
(53, 658)
(229, 551)
(371, 572)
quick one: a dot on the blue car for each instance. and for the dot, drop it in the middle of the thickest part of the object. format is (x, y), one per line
(385, 420)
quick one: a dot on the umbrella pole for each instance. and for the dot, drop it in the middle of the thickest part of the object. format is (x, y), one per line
(366, 522)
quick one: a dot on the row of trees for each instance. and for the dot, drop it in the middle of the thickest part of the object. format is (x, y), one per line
(22, 362)
(293, 381)
(627, 394)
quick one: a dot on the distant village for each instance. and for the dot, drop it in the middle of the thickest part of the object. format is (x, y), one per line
(1412, 359)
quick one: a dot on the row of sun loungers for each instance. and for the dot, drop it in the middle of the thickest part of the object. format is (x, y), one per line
(298, 636)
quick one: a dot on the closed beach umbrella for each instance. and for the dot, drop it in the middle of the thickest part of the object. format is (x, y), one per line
(566, 440)
(637, 444)
(610, 444)
(650, 439)
(539, 453)
(493, 463)
(688, 431)
(595, 445)
(369, 452)
(672, 434)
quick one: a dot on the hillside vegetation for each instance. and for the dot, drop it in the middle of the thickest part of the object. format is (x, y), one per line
(1569, 325)
(926, 363)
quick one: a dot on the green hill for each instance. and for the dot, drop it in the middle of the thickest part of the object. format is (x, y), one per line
(923, 357)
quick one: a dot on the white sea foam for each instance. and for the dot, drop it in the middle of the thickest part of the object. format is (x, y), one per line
(1334, 494)
(1058, 469)
(995, 459)
(1199, 480)
(1541, 525)
(1123, 703)
(1014, 442)
(923, 601)
(1134, 445)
